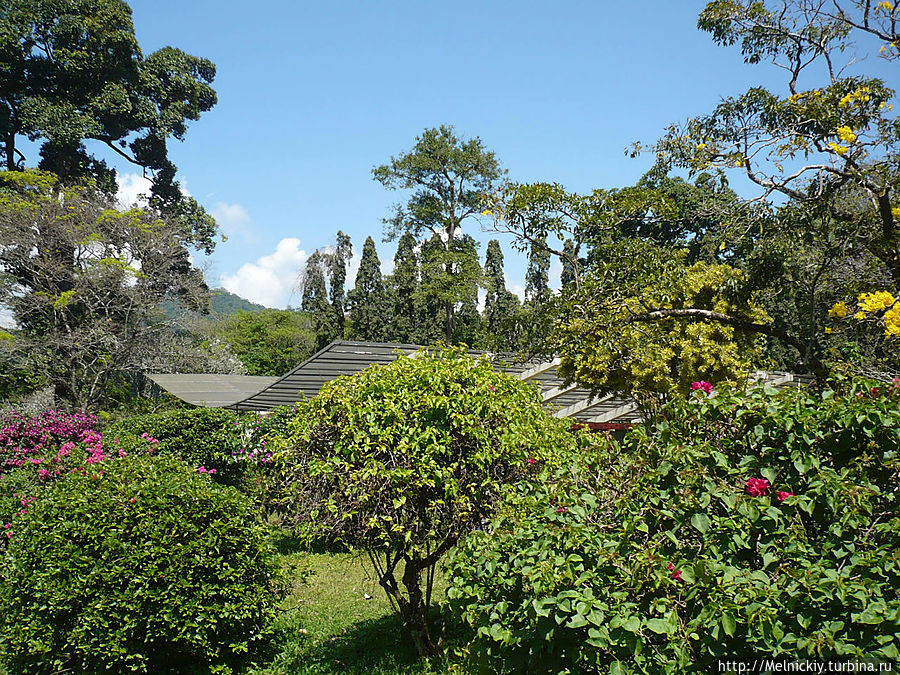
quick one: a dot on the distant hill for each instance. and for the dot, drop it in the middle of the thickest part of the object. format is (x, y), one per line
(222, 304)
(225, 303)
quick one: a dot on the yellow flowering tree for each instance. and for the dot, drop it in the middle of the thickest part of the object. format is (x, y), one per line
(645, 323)
(830, 136)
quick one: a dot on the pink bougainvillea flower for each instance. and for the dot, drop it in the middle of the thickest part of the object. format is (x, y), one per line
(670, 567)
(703, 386)
(756, 487)
(211, 471)
(530, 461)
(676, 575)
(43, 473)
(784, 494)
(491, 387)
(201, 469)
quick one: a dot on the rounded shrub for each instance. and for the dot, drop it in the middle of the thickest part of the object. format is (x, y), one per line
(225, 443)
(140, 565)
(763, 523)
(404, 459)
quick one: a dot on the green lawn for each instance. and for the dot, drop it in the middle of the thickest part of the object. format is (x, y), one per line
(331, 626)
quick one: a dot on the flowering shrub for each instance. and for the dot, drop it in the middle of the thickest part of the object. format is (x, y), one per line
(765, 523)
(31, 439)
(228, 443)
(149, 568)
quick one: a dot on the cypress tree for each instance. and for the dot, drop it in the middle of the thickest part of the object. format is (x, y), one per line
(537, 276)
(404, 291)
(368, 305)
(501, 308)
(337, 278)
(315, 300)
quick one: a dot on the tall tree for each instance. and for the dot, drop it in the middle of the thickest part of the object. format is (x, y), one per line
(73, 71)
(569, 271)
(336, 261)
(93, 316)
(369, 316)
(537, 275)
(468, 278)
(403, 289)
(432, 321)
(316, 301)
(501, 308)
(449, 178)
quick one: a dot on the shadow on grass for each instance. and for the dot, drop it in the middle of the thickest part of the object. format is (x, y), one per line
(370, 647)
(288, 544)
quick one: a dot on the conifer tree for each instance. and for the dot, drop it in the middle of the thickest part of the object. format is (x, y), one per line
(537, 276)
(315, 299)
(368, 303)
(432, 317)
(501, 308)
(337, 261)
(567, 277)
(404, 291)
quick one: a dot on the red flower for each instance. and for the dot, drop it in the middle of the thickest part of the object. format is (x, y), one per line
(756, 487)
(530, 461)
(562, 509)
(702, 385)
(676, 575)
(670, 567)
(782, 495)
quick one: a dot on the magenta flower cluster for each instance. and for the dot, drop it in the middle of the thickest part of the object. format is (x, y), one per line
(26, 439)
(702, 385)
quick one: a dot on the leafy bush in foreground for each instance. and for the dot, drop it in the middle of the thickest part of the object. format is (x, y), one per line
(404, 459)
(766, 523)
(223, 442)
(148, 568)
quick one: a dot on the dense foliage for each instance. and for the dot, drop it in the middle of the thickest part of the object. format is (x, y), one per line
(761, 522)
(404, 459)
(144, 566)
(227, 444)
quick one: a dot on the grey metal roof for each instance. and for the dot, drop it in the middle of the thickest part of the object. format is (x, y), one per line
(211, 391)
(346, 358)
(305, 381)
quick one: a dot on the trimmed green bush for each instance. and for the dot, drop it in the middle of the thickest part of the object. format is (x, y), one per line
(222, 441)
(404, 459)
(136, 565)
(764, 523)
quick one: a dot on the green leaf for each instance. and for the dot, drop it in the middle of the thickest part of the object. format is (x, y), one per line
(728, 622)
(700, 521)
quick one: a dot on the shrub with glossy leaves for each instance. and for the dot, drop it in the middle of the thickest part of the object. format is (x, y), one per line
(762, 523)
(222, 441)
(147, 568)
(404, 459)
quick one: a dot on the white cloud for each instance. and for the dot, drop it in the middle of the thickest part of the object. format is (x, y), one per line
(271, 279)
(234, 221)
(133, 188)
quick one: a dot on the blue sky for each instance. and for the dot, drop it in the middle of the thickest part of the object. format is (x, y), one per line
(313, 95)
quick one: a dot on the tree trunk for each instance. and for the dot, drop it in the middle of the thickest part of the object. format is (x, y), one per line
(416, 614)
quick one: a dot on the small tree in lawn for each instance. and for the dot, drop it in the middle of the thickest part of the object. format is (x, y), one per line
(403, 460)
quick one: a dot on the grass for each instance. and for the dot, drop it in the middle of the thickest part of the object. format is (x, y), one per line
(337, 619)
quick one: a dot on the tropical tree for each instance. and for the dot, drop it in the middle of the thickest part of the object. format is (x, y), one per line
(449, 178)
(74, 71)
(92, 314)
(270, 341)
(830, 136)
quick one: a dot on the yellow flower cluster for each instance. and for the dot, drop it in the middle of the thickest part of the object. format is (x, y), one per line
(840, 310)
(846, 134)
(860, 94)
(892, 321)
(875, 302)
(839, 149)
(886, 6)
